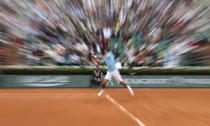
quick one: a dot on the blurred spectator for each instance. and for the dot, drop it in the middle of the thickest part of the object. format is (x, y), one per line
(74, 59)
(67, 32)
(118, 63)
(115, 51)
(129, 53)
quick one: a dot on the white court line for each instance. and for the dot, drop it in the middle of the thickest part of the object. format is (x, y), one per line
(124, 110)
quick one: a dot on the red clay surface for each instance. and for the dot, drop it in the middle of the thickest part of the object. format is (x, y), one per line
(79, 107)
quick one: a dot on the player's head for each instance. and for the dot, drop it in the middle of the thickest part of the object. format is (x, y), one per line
(106, 50)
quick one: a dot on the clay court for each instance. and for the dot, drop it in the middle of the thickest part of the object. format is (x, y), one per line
(78, 107)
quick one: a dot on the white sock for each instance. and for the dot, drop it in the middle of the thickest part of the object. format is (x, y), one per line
(101, 92)
(130, 90)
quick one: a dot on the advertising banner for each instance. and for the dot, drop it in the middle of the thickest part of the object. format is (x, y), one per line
(84, 81)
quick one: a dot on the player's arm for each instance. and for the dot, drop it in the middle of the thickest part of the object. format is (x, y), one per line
(101, 57)
(98, 57)
(99, 63)
(95, 58)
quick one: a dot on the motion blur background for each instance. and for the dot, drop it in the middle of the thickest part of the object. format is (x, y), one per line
(163, 33)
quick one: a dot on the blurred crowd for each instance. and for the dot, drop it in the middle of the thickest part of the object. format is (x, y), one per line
(167, 33)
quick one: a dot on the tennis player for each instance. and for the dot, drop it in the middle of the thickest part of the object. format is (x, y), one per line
(109, 60)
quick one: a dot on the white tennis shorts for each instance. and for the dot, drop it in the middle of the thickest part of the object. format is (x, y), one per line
(115, 74)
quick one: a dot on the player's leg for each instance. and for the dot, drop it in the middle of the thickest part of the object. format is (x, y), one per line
(104, 83)
(106, 79)
(117, 76)
(127, 86)
(103, 86)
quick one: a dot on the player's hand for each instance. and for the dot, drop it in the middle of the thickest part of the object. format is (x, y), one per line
(94, 56)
